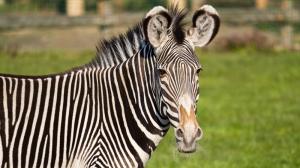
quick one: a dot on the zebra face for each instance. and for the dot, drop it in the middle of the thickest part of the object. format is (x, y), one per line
(178, 66)
(179, 83)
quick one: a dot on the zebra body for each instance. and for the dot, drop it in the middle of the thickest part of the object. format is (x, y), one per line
(67, 120)
(109, 113)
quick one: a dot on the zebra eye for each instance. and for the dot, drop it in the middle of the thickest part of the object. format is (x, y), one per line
(162, 73)
(199, 70)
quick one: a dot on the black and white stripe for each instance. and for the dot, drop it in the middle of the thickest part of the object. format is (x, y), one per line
(83, 118)
(112, 112)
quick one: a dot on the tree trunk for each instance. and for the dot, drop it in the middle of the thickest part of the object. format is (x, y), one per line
(261, 4)
(287, 32)
(181, 3)
(104, 8)
(75, 7)
(119, 4)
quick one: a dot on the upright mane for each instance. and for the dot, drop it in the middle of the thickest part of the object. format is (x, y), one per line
(120, 48)
(177, 24)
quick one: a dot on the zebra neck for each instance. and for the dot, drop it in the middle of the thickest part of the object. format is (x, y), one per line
(136, 103)
(118, 49)
(106, 117)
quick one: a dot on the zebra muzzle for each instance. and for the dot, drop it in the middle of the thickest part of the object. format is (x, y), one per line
(188, 132)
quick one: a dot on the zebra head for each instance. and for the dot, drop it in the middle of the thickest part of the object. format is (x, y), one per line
(178, 66)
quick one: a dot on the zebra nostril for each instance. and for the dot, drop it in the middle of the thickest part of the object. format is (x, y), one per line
(179, 134)
(198, 134)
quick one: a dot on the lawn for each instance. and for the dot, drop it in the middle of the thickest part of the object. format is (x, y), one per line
(249, 107)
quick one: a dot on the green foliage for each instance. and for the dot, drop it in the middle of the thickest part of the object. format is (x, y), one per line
(33, 6)
(134, 5)
(18, 8)
(248, 108)
(61, 6)
(276, 26)
(232, 3)
(91, 5)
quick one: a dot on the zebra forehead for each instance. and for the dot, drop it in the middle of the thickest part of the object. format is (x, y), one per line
(180, 63)
(178, 59)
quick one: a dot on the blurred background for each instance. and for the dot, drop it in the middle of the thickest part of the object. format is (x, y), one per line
(249, 104)
(27, 25)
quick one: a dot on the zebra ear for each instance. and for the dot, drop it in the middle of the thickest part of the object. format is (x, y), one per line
(156, 24)
(206, 23)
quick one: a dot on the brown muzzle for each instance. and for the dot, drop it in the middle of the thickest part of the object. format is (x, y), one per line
(188, 131)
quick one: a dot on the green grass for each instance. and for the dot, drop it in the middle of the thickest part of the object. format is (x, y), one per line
(42, 63)
(27, 8)
(249, 108)
(17, 8)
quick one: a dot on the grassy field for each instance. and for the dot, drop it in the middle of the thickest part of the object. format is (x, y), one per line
(249, 107)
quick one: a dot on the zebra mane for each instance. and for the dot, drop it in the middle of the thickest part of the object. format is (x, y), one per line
(119, 48)
(177, 25)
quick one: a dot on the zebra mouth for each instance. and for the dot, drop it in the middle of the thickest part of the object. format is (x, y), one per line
(184, 147)
(186, 150)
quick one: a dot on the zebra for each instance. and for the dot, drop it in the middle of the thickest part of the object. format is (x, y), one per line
(110, 116)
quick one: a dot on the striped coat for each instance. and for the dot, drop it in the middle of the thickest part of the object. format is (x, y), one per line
(84, 118)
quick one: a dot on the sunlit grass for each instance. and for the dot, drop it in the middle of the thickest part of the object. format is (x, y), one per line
(249, 110)
(249, 107)
(42, 63)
